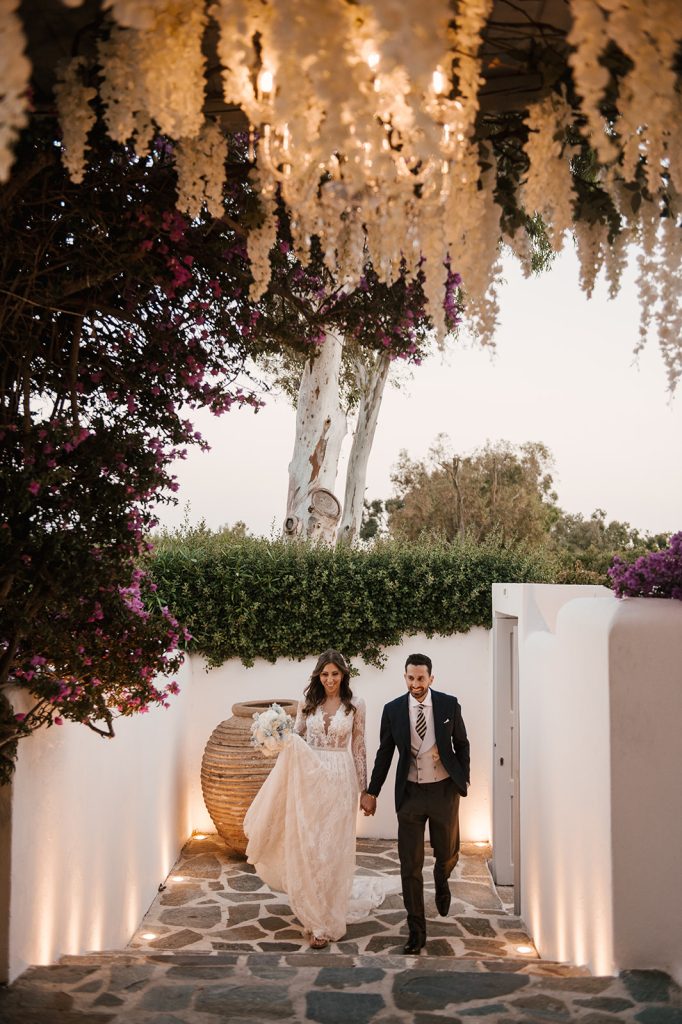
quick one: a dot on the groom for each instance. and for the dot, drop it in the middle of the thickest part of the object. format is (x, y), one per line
(433, 772)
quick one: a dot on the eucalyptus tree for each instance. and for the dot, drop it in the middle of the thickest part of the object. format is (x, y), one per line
(355, 336)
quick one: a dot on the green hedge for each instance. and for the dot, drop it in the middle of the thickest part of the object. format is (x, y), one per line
(248, 598)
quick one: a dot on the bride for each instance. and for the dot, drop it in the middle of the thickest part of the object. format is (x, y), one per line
(301, 824)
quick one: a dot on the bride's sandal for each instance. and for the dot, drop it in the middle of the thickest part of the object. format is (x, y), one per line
(317, 942)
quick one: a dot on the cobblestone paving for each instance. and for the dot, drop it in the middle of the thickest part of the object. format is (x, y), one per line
(215, 901)
(227, 950)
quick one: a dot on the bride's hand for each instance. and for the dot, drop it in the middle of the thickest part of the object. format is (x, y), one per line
(368, 803)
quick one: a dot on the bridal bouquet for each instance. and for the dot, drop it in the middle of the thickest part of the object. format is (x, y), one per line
(271, 730)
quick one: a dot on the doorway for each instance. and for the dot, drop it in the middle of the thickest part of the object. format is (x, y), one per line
(506, 861)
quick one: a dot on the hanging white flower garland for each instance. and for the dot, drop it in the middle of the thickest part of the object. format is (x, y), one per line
(359, 130)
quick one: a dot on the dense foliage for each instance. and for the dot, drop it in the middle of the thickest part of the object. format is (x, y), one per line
(110, 333)
(502, 493)
(592, 543)
(498, 491)
(243, 597)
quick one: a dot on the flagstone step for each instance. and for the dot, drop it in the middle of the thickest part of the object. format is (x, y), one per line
(325, 958)
(185, 988)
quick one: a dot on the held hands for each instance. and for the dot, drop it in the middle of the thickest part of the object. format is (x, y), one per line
(368, 803)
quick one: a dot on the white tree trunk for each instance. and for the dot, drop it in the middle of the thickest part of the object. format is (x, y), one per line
(372, 382)
(321, 425)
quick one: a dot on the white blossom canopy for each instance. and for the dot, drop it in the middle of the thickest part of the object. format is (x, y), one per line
(378, 123)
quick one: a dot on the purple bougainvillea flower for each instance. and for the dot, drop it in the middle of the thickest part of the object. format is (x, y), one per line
(658, 574)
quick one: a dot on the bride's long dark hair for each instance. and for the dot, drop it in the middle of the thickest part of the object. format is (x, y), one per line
(314, 693)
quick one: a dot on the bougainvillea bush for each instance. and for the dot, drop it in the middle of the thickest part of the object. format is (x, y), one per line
(658, 574)
(112, 329)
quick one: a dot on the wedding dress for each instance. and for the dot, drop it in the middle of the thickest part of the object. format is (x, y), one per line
(301, 824)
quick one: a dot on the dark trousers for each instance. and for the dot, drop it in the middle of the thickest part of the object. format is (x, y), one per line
(437, 803)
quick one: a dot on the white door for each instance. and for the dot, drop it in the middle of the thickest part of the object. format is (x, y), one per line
(506, 846)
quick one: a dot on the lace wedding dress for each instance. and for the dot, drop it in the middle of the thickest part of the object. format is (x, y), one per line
(301, 824)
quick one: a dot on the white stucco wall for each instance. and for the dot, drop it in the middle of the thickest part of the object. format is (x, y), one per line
(96, 825)
(645, 654)
(600, 708)
(461, 665)
(566, 883)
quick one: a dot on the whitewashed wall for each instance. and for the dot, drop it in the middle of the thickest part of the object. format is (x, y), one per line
(645, 658)
(566, 880)
(97, 824)
(600, 707)
(461, 665)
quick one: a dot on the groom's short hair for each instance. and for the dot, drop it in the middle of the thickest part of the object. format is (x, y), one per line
(419, 659)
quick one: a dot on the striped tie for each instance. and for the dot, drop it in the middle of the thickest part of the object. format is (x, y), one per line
(421, 723)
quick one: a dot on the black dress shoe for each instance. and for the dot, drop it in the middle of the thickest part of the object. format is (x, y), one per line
(414, 943)
(443, 899)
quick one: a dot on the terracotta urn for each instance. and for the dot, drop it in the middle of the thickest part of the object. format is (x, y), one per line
(232, 771)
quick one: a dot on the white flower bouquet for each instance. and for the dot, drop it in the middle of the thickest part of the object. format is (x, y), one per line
(271, 730)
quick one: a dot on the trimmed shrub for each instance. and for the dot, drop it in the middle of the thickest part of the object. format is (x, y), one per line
(243, 597)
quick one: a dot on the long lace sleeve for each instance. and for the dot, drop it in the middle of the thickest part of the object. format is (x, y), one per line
(358, 744)
(299, 724)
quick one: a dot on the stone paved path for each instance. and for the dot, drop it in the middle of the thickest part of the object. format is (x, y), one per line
(215, 901)
(327, 988)
(217, 947)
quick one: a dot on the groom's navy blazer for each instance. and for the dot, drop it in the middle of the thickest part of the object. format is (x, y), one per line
(451, 740)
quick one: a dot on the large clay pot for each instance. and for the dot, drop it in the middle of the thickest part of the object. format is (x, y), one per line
(232, 771)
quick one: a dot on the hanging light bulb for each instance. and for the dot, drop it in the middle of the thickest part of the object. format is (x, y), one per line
(438, 82)
(265, 81)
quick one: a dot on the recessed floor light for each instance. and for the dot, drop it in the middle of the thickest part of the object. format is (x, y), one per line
(149, 935)
(524, 949)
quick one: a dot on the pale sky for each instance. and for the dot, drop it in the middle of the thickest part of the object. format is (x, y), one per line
(563, 373)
